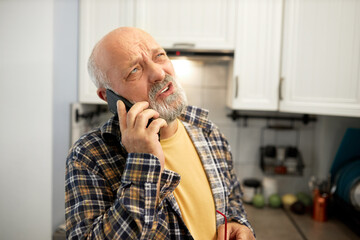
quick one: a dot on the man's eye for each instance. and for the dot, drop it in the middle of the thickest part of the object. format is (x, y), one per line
(160, 54)
(134, 70)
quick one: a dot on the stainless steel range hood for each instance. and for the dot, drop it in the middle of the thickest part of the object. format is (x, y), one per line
(200, 55)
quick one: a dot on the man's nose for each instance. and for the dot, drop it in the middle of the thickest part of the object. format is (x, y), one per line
(156, 72)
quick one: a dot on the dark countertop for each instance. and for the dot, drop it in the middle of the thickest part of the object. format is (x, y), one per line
(275, 224)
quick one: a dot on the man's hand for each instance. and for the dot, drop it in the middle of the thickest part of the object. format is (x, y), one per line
(135, 136)
(235, 231)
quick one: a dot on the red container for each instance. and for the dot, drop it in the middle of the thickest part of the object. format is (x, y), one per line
(320, 206)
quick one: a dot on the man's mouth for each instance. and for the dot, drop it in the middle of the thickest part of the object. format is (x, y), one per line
(166, 91)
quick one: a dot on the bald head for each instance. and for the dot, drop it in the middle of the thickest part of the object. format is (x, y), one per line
(118, 45)
(132, 64)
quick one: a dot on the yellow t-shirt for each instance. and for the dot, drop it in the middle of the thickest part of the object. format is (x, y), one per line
(193, 194)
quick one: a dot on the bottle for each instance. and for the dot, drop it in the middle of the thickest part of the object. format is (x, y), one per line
(320, 206)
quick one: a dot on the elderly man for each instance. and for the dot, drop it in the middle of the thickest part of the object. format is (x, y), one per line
(123, 181)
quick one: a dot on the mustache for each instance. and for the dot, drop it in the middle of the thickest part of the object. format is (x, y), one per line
(160, 85)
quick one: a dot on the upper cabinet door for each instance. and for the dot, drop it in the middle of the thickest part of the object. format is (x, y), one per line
(200, 24)
(97, 18)
(256, 71)
(321, 57)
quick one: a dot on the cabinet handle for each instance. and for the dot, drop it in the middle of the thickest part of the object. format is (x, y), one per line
(184, 45)
(280, 88)
(236, 86)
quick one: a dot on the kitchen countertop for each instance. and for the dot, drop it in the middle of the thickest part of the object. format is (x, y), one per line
(275, 224)
(279, 224)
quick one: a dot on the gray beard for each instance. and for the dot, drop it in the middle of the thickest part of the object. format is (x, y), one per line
(171, 107)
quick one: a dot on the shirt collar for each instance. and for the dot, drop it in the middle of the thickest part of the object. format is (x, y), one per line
(192, 115)
(110, 130)
(198, 117)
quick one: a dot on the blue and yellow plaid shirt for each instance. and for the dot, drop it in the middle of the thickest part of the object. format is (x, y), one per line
(111, 194)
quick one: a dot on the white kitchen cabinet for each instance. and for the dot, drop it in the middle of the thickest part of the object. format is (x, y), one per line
(321, 57)
(254, 83)
(96, 19)
(200, 24)
(302, 57)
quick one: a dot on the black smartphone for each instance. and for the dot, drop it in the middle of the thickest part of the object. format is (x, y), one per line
(112, 98)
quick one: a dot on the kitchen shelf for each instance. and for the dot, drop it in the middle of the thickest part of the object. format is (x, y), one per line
(279, 159)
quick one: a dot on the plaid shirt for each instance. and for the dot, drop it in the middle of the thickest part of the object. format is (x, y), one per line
(111, 194)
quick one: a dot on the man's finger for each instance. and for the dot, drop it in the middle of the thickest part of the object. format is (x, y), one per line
(157, 124)
(221, 233)
(134, 111)
(143, 118)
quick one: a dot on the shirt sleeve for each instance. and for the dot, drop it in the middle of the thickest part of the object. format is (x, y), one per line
(93, 213)
(235, 210)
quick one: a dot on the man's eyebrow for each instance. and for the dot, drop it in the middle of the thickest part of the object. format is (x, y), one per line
(133, 61)
(124, 71)
(155, 50)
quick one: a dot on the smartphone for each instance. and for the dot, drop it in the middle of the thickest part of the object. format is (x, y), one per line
(112, 98)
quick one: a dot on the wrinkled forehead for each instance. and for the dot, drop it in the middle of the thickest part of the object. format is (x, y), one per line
(126, 44)
(137, 46)
(132, 40)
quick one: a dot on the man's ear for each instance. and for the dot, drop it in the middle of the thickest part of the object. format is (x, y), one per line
(101, 92)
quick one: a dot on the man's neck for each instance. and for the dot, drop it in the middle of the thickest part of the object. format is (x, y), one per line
(169, 130)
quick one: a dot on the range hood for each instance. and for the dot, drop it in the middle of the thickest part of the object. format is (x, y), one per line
(199, 54)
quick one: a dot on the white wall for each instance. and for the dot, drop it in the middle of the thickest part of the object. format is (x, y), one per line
(26, 83)
(65, 86)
